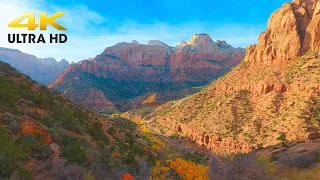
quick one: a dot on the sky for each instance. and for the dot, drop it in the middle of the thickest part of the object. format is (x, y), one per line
(93, 25)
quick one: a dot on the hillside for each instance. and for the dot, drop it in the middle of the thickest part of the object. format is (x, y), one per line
(274, 91)
(45, 136)
(127, 75)
(43, 71)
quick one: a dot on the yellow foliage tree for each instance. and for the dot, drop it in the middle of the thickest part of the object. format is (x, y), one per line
(189, 170)
(159, 171)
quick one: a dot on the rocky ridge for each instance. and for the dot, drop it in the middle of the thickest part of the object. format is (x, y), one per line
(128, 71)
(42, 70)
(277, 91)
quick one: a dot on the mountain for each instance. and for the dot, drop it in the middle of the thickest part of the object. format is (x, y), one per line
(125, 75)
(41, 70)
(273, 93)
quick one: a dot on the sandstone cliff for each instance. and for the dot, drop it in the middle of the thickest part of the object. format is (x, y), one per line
(275, 89)
(125, 73)
(292, 31)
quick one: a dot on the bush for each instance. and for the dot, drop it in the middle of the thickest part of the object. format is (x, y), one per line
(96, 132)
(74, 153)
(88, 176)
(10, 153)
(45, 152)
(24, 174)
(111, 131)
(131, 158)
(283, 138)
(47, 121)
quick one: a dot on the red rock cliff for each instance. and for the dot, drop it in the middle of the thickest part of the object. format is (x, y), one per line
(292, 30)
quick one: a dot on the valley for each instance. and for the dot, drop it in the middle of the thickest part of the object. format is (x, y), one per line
(199, 110)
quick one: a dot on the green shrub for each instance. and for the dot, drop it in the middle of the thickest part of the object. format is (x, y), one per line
(131, 158)
(74, 153)
(283, 138)
(111, 131)
(24, 174)
(47, 121)
(10, 153)
(45, 152)
(137, 150)
(96, 132)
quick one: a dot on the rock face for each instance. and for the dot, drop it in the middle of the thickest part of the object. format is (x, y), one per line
(41, 70)
(275, 89)
(292, 30)
(34, 128)
(129, 71)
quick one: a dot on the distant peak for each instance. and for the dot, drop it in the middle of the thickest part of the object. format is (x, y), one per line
(200, 39)
(221, 42)
(183, 43)
(157, 43)
(135, 42)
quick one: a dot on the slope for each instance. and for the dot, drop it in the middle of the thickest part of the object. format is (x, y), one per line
(274, 91)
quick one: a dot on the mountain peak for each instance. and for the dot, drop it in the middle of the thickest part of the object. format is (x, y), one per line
(134, 42)
(157, 43)
(183, 43)
(198, 39)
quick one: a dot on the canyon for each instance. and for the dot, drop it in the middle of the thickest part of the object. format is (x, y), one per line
(132, 75)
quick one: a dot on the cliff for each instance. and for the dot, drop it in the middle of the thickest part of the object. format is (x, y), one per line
(127, 72)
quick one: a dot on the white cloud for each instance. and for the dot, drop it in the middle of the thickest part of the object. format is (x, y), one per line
(87, 37)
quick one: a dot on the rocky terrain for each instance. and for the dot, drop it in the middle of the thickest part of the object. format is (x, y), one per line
(45, 136)
(41, 70)
(274, 92)
(125, 75)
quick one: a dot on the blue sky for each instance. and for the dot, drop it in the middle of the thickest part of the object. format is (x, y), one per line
(94, 25)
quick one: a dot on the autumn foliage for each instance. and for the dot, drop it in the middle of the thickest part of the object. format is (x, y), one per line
(127, 176)
(186, 170)
(189, 170)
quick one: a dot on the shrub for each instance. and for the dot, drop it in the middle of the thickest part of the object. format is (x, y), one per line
(45, 152)
(131, 158)
(10, 153)
(88, 176)
(111, 131)
(24, 174)
(47, 121)
(74, 153)
(282, 138)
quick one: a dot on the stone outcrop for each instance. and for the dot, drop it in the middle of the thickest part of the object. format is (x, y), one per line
(34, 128)
(130, 70)
(41, 70)
(292, 30)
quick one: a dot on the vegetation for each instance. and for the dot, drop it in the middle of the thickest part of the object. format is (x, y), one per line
(11, 152)
(74, 153)
(186, 170)
(88, 176)
(283, 138)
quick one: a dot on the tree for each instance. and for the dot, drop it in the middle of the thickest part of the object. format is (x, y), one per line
(189, 170)
(282, 138)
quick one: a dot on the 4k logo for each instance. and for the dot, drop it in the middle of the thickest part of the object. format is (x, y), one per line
(44, 20)
(31, 25)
